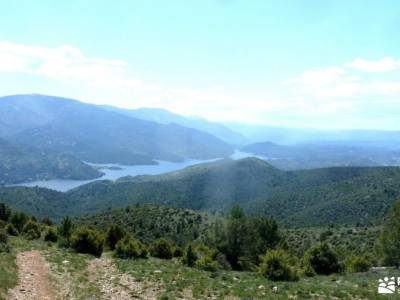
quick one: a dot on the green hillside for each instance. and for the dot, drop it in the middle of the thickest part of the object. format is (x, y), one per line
(97, 135)
(22, 163)
(150, 222)
(309, 197)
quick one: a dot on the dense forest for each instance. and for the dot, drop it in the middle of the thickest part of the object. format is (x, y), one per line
(341, 195)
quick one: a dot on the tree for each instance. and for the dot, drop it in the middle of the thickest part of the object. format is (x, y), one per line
(114, 234)
(390, 237)
(237, 235)
(189, 256)
(65, 230)
(265, 236)
(5, 212)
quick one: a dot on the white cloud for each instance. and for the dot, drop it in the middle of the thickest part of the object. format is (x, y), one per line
(385, 64)
(320, 93)
(64, 63)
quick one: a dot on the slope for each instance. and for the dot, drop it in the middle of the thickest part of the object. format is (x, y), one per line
(97, 135)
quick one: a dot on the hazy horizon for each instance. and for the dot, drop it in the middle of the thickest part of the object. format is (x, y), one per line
(294, 65)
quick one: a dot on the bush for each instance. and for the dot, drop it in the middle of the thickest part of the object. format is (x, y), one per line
(162, 248)
(359, 264)
(18, 219)
(11, 230)
(51, 235)
(323, 260)
(275, 265)
(86, 240)
(3, 224)
(114, 234)
(130, 248)
(207, 263)
(47, 221)
(4, 246)
(189, 256)
(178, 252)
(31, 230)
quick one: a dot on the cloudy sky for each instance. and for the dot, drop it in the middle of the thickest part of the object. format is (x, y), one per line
(321, 64)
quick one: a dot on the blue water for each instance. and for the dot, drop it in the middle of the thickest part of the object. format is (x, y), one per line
(64, 185)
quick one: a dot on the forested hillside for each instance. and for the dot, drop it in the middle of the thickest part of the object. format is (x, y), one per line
(24, 163)
(342, 195)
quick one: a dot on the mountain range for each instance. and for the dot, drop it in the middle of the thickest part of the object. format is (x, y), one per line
(325, 154)
(163, 116)
(59, 126)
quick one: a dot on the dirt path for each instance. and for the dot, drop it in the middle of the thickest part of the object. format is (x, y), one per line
(33, 278)
(119, 286)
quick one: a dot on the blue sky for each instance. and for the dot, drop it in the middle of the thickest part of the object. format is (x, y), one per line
(325, 64)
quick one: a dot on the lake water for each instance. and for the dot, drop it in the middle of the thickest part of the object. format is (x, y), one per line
(64, 185)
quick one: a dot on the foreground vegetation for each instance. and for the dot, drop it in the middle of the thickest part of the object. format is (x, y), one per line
(236, 255)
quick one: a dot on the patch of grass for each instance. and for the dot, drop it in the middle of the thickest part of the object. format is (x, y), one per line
(178, 280)
(8, 273)
(71, 274)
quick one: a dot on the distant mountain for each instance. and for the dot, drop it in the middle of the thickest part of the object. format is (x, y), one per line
(163, 116)
(290, 136)
(320, 154)
(21, 164)
(97, 135)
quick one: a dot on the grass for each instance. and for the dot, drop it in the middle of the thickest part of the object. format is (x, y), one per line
(178, 279)
(8, 273)
(69, 274)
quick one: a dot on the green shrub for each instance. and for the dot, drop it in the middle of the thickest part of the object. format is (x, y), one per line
(31, 230)
(189, 256)
(114, 234)
(3, 224)
(4, 246)
(18, 220)
(323, 260)
(130, 248)
(11, 230)
(162, 248)
(86, 240)
(178, 252)
(207, 263)
(51, 235)
(308, 271)
(47, 221)
(275, 265)
(359, 264)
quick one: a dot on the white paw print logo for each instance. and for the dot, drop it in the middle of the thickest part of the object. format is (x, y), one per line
(387, 285)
